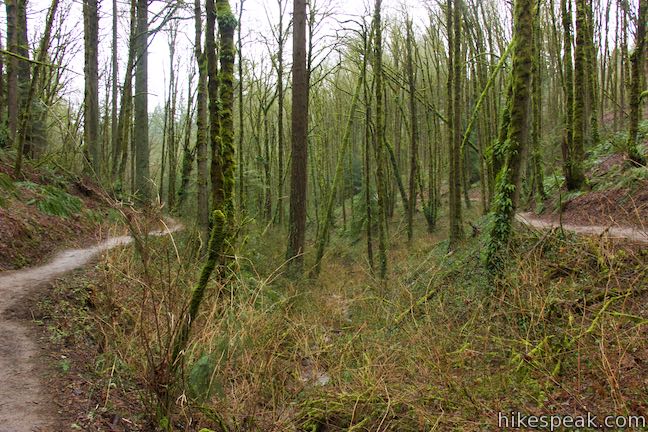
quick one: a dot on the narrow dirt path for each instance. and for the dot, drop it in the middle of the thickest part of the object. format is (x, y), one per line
(631, 234)
(24, 406)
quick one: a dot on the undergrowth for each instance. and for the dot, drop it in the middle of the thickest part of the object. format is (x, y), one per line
(440, 349)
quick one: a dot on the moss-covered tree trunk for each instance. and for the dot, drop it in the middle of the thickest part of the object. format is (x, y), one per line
(23, 72)
(536, 155)
(414, 134)
(323, 236)
(572, 166)
(508, 179)
(24, 124)
(188, 153)
(637, 60)
(226, 27)
(580, 94)
(241, 110)
(12, 71)
(497, 153)
(214, 249)
(591, 56)
(120, 155)
(455, 74)
(216, 166)
(114, 90)
(379, 139)
(202, 154)
(366, 94)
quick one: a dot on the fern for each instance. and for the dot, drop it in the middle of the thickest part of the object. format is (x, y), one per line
(53, 201)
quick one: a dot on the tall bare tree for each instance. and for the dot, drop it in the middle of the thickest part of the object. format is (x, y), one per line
(299, 121)
(91, 74)
(141, 129)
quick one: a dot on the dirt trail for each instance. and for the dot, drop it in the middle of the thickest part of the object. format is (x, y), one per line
(24, 406)
(632, 234)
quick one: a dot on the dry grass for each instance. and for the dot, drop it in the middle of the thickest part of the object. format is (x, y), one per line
(563, 332)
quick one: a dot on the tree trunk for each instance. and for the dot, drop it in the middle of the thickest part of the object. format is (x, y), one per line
(366, 92)
(280, 116)
(141, 129)
(12, 71)
(580, 93)
(188, 154)
(226, 27)
(201, 128)
(216, 170)
(114, 130)
(91, 73)
(241, 129)
(508, 185)
(120, 156)
(637, 60)
(571, 164)
(172, 145)
(299, 159)
(536, 97)
(24, 73)
(455, 65)
(21, 132)
(379, 139)
(414, 135)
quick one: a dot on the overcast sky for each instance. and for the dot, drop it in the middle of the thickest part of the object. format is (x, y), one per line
(255, 28)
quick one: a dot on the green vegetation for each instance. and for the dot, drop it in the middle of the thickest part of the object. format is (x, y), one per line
(439, 347)
(52, 200)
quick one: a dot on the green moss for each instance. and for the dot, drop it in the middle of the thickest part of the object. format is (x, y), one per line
(508, 180)
(226, 25)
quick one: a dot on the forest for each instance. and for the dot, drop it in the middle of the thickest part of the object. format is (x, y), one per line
(323, 215)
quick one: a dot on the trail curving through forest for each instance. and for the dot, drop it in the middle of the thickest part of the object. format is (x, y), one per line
(626, 233)
(24, 406)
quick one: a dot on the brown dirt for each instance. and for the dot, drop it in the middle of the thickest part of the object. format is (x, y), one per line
(616, 207)
(86, 393)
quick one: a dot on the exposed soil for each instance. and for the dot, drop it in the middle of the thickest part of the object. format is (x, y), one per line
(24, 405)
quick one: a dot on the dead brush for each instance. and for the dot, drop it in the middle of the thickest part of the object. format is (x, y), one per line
(441, 350)
(566, 298)
(145, 295)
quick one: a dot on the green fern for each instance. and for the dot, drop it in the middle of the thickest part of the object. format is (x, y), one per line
(53, 201)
